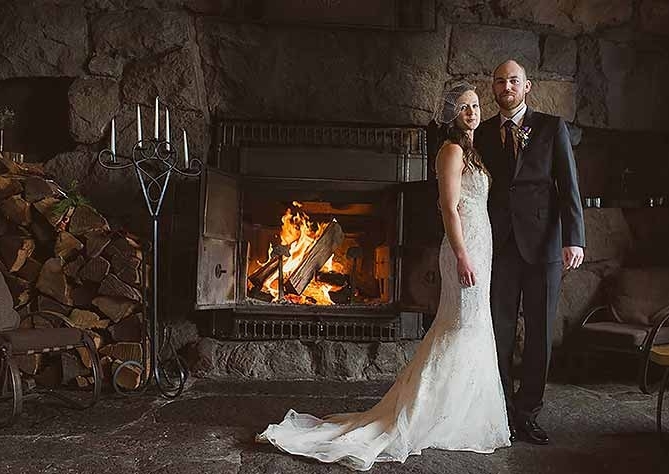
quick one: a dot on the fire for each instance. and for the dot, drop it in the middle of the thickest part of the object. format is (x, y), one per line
(299, 233)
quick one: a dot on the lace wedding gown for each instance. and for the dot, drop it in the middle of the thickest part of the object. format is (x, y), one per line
(449, 396)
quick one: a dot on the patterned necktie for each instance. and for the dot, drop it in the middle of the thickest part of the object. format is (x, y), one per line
(509, 149)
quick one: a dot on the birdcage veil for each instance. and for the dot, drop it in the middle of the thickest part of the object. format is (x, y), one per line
(445, 110)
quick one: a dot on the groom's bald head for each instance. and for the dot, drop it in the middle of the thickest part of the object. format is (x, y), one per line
(512, 63)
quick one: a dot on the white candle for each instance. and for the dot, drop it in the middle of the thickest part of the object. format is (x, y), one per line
(167, 127)
(113, 140)
(139, 124)
(185, 149)
(155, 122)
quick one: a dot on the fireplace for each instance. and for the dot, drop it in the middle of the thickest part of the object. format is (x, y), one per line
(304, 231)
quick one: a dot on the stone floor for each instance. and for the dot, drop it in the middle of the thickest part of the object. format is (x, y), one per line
(607, 427)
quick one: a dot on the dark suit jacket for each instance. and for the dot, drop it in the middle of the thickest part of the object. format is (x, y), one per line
(541, 204)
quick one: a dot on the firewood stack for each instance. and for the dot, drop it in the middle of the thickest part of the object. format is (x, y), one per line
(58, 254)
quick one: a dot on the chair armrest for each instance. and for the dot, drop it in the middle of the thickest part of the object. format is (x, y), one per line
(663, 315)
(593, 312)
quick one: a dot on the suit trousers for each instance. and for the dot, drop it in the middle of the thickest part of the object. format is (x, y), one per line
(538, 285)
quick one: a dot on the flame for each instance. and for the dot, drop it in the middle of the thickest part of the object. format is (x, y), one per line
(299, 233)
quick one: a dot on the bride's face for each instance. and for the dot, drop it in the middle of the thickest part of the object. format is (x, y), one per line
(469, 116)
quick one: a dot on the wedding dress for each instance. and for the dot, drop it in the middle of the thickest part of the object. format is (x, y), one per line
(449, 396)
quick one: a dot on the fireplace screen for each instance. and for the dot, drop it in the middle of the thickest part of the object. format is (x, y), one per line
(308, 222)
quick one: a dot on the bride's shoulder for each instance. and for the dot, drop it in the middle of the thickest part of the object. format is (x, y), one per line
(449, 156)
(449, 149)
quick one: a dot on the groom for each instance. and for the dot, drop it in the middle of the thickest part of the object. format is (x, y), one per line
(537, 223)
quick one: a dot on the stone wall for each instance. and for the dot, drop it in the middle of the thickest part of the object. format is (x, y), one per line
(601, 64)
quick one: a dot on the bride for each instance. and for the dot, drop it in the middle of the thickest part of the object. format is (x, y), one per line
(449, 396)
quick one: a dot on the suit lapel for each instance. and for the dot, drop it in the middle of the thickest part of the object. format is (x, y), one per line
(527, 122)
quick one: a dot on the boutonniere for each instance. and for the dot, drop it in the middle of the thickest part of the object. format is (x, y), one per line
(523, 136)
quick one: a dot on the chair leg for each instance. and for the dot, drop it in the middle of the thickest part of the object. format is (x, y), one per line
(97, 380)
(660, 397)
(10, 386)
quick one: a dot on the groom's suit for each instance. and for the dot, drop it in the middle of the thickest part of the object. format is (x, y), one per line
(535, 210)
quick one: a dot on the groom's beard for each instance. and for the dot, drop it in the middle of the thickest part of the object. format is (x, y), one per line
(507, 103)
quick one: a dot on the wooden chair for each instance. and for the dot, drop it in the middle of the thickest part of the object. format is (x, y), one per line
(15, 341)
(633, 321)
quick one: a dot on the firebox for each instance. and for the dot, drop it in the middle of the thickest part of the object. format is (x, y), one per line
(304, 231)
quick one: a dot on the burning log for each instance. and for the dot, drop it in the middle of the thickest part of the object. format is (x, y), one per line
(341, 296)
(332, 278)
(258, 277)
(315, 258)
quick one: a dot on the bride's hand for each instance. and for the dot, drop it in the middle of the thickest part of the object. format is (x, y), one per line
(466, 272)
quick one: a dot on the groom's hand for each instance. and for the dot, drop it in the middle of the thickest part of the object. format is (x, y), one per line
(572, 257)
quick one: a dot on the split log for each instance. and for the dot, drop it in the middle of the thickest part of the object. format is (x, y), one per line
(9, 187)
(112, 286)
(72, 268)
(29, 364)
(83, 352)
(86, 219)
(315, 257)
(127, 330)
(71, 367)
(53, 282)
(258, 277)
(67, 246)
(96, 269)
(41, 229)
(258, 294)
(30, 270)
(96, 241)
(15, 250)
(47, 208)
(341, 296)
(123, 247)
(51, 373)
(17, 210)
(87, 319)
(36, 189)
(115, 308)
(38, 321)
(19, 289)
(106, 364)
(82, 296)
(332, 278)
(44, 303)
(129, 376)
(30, 169)
(127, 269)
(123, 351)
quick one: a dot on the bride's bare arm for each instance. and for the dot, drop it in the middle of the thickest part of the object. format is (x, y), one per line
(449, 167)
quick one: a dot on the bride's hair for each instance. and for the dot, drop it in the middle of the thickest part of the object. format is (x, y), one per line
(453, 134)
(445, 113)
